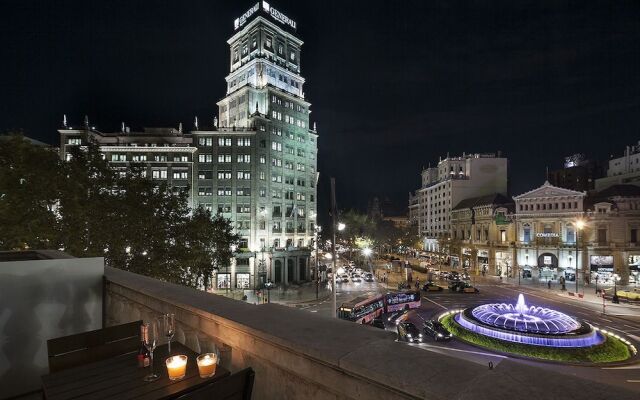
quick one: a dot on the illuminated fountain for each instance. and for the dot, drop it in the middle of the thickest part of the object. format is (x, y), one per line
(531, 325)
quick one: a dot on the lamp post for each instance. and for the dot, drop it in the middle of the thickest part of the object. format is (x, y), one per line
(317, 230)
(579, 225)
(268, 285)
(595, 276)
(615, 299)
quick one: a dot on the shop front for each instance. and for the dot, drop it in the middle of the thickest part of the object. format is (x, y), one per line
(483, 261)
(548, 266)
(601, 268)
(466, 257)
(455, 262)
(223, 280)
(634, 269)
(502, 263)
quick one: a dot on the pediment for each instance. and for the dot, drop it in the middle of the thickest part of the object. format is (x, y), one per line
(548, 190)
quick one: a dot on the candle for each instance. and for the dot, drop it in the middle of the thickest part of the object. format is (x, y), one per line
(177, 367)
(207, 364)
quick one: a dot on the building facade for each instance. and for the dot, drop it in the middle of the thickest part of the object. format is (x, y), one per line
(257, 166)
(482, 235)
(623, 170)
(444, 186)
(577, 174)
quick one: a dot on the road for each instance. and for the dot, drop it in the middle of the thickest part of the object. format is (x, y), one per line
(619, 319)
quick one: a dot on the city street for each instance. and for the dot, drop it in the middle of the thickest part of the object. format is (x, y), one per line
(622, 319)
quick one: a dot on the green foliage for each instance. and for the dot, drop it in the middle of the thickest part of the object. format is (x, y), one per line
(88, 209)
(610, 351)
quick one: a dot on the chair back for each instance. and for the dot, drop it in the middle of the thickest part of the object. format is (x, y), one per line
(237, 386)
(82, 348)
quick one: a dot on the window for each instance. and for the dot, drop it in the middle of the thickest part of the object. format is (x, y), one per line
(527, 233)
(180, 158)
(180, 175)
(301, 182)
(289, 150)
(224, 142)
(204, 191)
(244, 158)
(243, 208)
(159, 174)
(204, 174)
(263, 192)
(300, 153)
(276, 131)
(243, 175)
(289, 180)
(300, 196)
(602, 235)
(262, 175)
(224, 191)
(300, 167)
(224, 208)
(205, 141)
(205, 158)
(244, 142)
(276, 146)
(263, 159)
(224, 158)
(74, 141)
(118, 157)
(276, 178)
(139, 157)
(160, 158)
(633, 237)
(243, 192)
(224, 174)
(242, 280)
(503, 236)
(288, 195)
(223, 280)
(276, 162)
(288, 165)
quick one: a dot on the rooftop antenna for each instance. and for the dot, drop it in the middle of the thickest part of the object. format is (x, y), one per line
(123, 128)
(64, 120)
(315, 127)
(215, 122)
(180, 127)
(195, 122)
(86, 122)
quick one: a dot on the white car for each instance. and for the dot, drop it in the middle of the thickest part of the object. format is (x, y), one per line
(356, 278)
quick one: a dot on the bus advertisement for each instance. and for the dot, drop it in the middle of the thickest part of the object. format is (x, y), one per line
(362, 309)
(365, 308)
(397, 301)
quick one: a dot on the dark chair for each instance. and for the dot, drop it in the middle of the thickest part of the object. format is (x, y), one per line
(82, 348)
(234, 387)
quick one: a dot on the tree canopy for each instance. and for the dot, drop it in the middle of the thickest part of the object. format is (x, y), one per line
(88, 209)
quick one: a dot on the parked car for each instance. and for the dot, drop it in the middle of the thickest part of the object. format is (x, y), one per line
(409, 332)
(453, 276)
(436, 330)
(378, 323)
(356, 278)
(345, 278)
(368, 277)
(431, 287)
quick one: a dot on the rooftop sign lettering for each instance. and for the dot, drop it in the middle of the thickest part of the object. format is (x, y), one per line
(244, 17)
(278, 16)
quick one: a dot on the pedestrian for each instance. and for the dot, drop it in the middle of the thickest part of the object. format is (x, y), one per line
(549, 284)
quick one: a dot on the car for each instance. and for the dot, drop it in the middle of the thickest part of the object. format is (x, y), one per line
(465, 276)
(378, 323)
(461, 286)
(453, 276)
(356, 278)
(408, 332)
(368, 277)
(359, 271)
(344, 278)
(431, 287)
(436, 330)
(352, 264)
(397, 317)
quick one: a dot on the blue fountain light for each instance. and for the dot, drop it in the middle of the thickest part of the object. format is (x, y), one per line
(533, 325)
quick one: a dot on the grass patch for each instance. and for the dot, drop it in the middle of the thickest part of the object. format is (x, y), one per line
(610, 351)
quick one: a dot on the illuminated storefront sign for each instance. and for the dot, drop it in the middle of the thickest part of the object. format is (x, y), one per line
(244, 17)
(278, 16)
(547, 235)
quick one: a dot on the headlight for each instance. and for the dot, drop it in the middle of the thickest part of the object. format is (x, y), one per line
(420, 334)
(439, 334)
(408, 335)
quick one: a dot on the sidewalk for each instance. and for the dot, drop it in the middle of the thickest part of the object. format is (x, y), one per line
(291, 295)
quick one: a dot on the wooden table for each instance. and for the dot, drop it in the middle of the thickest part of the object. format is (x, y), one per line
(121, 378)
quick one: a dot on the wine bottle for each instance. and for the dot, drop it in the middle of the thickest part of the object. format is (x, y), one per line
(143, 353)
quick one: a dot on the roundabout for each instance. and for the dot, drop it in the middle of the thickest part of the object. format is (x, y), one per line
(536, 332)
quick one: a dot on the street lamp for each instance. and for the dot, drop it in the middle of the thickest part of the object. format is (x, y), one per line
(579, 226)
(616, 279)
(317, 230)
(595, 276)
(268, 285)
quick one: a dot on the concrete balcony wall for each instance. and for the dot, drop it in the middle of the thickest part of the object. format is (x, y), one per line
(300, 355)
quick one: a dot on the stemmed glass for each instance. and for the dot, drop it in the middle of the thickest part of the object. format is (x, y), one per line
(150, 339)
(169, 329)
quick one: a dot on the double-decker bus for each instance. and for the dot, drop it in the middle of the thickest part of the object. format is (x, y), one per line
(362, 309)
(365, 308)
(396, 301)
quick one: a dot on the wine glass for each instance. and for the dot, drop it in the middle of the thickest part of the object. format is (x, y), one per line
(169, 329)
(150, 339)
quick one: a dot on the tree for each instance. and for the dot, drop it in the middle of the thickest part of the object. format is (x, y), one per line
(28, 194)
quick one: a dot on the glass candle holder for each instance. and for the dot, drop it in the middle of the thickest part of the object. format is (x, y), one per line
(207, 364)
(176, 367)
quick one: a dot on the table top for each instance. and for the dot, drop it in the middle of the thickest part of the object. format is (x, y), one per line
(121, 378)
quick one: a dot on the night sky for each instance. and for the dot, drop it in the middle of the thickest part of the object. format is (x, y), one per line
(393, 84)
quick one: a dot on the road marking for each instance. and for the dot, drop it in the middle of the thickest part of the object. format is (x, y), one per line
(626, 367)
(633, 380)
(439, 305)
(616, 329)
(460, 350)
(604, 319)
